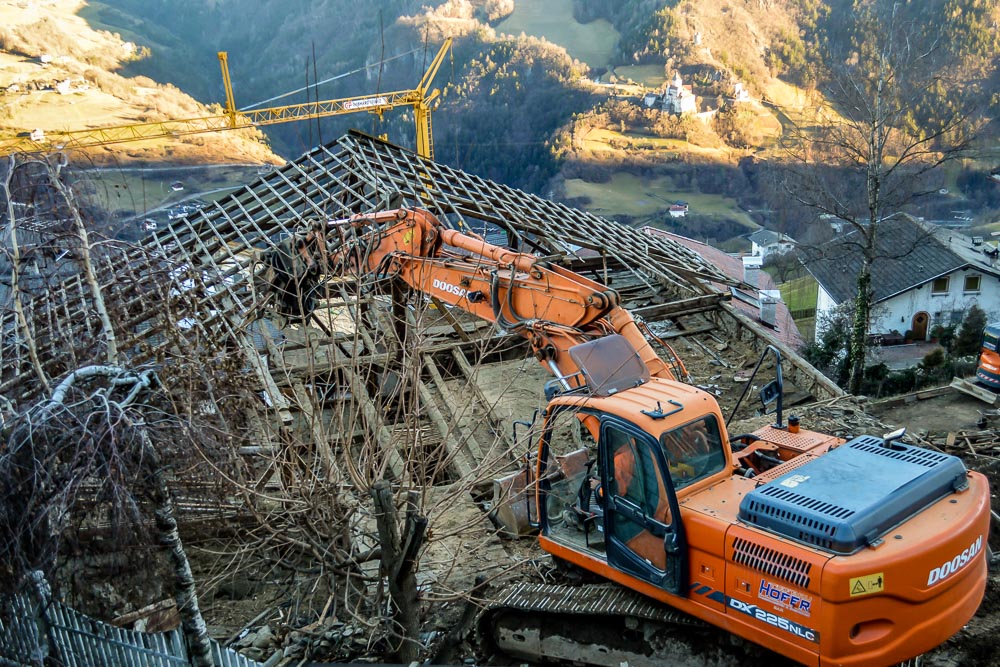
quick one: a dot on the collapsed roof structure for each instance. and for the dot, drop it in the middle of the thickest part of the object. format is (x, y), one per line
(197, 282)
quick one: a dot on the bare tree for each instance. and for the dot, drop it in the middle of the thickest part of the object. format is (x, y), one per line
(83, 448)
(88, 446)
(283, 421)
(896, 103)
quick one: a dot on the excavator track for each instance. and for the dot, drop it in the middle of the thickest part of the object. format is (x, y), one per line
(593, 624)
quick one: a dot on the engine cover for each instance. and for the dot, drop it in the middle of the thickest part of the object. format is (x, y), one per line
(849, 497)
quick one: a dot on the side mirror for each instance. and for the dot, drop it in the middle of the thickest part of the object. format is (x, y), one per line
(770, 392)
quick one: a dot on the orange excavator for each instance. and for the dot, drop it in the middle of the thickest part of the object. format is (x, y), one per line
(988, 370)
(830, 552)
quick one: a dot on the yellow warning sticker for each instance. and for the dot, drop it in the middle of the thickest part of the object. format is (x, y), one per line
(868, 584)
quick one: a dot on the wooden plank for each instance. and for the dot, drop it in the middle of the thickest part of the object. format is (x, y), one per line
(446, 312)
(376, 426)
(470, 375)
(455, 409)
(263, 373)
(457, 455)
(974, 390)
(912, 397)
(696, 304)
(319, 435)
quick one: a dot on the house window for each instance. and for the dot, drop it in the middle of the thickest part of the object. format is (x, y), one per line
(971, 283)
(940, 285)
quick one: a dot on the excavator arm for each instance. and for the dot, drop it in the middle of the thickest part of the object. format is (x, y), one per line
(551, 306)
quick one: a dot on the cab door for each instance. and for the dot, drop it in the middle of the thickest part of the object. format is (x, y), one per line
(643, 532)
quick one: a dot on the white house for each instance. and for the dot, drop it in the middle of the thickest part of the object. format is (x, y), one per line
(923, 276)
(740, 93)
(764, 242)
(678, 97)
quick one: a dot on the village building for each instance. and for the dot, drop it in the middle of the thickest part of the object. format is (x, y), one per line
(740, 93)
(764, 243)
(923, 276)
(679, 98)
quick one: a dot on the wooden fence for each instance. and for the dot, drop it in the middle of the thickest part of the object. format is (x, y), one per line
(36, 630)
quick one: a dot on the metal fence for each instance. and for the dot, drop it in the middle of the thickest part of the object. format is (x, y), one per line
(36, 630)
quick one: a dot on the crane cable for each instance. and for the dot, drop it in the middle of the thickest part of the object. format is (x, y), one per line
(332, 78)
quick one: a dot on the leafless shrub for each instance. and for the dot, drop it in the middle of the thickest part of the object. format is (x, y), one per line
(273, 475)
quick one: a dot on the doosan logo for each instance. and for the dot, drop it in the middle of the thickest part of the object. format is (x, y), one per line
(944, 571)
(449, 288)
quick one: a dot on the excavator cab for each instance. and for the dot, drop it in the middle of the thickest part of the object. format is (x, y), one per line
(618, 501)
(615, 501)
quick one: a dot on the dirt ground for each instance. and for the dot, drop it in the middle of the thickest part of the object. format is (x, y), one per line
(936, 416)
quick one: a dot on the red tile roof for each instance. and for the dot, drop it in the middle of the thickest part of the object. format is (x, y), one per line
(785, 329)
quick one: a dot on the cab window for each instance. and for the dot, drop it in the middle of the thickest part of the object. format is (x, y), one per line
(634, 472)
(693, 451)
(640, 509)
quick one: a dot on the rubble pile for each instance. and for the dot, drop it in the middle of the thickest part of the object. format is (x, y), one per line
(333, 639)
(842, 416)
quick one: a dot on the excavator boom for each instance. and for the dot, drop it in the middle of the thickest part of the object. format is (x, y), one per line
(553, 307)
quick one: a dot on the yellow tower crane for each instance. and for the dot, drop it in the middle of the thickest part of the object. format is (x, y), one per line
(421, 98)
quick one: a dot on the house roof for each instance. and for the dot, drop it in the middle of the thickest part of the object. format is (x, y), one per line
(785, 330)
(765, 237)
(909, 253)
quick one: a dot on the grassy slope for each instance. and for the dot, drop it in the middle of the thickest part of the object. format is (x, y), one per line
(653, 76)
(630, 195)
(593, 43)
(100, 98)
(128, 191)
(800, 294)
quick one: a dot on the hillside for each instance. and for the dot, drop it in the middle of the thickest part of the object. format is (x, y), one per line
(753, 40)
(543, 95)
(58, 73)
